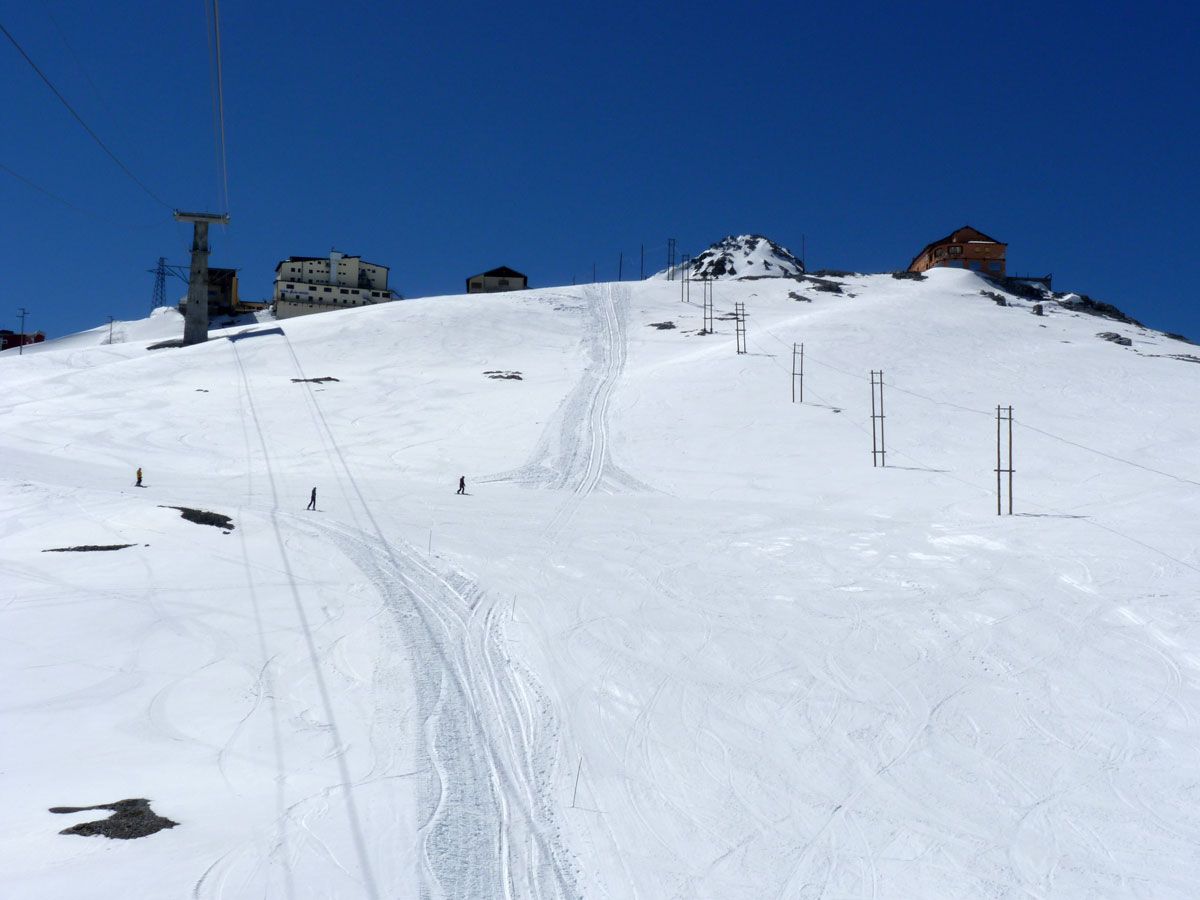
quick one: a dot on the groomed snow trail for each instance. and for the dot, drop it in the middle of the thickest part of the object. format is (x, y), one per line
(488, 825)
(483, 736)
(573, 450)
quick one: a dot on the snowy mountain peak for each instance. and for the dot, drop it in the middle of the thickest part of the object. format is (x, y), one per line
(746, 255)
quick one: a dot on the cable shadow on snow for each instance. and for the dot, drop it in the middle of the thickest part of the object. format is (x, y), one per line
(1051, 516)
(262, 332)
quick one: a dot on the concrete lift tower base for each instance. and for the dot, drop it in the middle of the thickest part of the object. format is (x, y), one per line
(195, 323)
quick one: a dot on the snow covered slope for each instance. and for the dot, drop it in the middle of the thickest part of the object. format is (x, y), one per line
(681, 639)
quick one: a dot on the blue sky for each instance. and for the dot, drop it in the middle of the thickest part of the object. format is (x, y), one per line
(445, 139)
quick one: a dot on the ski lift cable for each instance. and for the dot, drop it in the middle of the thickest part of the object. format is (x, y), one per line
(78, 118)
(220, 98)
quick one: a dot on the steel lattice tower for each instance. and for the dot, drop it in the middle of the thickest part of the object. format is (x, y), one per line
(160, 284)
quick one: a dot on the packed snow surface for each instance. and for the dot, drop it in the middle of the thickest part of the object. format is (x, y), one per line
(679, 639)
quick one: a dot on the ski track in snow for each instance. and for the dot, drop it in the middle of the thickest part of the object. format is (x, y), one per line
(573, 450)
(488, 821)
(772, 696)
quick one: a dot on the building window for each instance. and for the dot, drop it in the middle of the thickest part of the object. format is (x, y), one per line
(342, 291)
(503, 282)
(291, 287)
(994, 265)
(329, 290)
(956, 251)
(939, 252)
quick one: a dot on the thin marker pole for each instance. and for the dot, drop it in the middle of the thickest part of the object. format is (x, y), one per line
(882, 441)
(802, 373)
(1010, 461)
(999, 493)
(874, 445)
(793, 373)
(575, 793)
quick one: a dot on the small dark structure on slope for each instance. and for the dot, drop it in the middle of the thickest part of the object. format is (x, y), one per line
(494, 280)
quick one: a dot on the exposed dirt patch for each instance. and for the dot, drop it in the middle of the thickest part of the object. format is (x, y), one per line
(504, 375)
(321, 380)
(87, 548)
(130, 819)
(792, 295)
(203, 517)
(662, 326)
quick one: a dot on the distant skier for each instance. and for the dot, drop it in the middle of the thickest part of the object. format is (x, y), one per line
(139, 477)
(462, 484)
(312, 501)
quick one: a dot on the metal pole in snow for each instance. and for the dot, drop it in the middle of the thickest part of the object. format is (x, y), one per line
(793, 373)
(575, 794)
(999, 493)
(1010, 460)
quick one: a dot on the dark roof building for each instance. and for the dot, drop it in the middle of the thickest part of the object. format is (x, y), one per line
(494, 280)
(966, 248)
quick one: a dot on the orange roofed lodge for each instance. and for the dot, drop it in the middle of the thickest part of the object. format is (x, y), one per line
(966, 248)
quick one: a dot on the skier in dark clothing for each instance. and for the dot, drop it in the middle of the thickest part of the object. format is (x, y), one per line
(139, 477)
(312, 501)
(462, 484)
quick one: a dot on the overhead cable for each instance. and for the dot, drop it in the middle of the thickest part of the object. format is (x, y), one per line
(78, 118)
(220, 98)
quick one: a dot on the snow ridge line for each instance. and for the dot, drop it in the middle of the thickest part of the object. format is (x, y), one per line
(489, 824)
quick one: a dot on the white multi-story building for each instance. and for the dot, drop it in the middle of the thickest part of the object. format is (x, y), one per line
(313, 284)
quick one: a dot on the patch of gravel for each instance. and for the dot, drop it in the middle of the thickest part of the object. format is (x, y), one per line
(87, 548)
(130, 819)
(203, 517)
